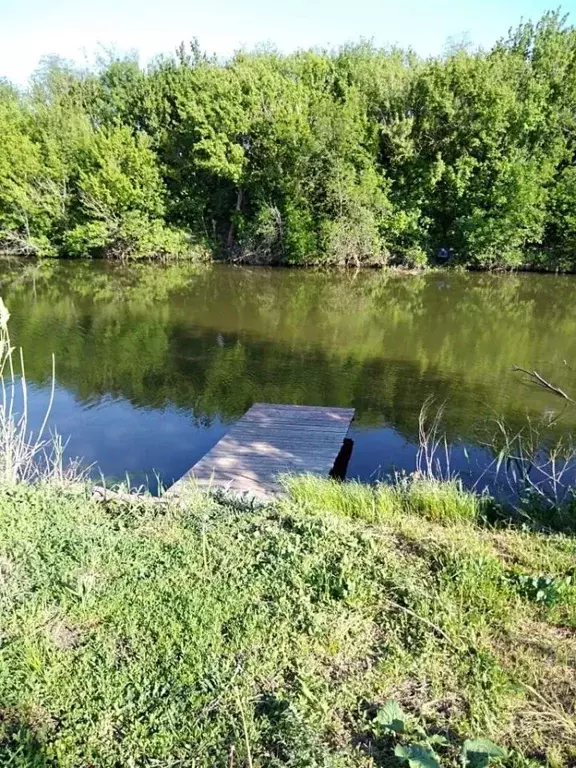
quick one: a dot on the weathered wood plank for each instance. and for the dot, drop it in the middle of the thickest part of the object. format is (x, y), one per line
(311, 421)
(270, 440)
(284, 417)
(322, 410)
(299, 418)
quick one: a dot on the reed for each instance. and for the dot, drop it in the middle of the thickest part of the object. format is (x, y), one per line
(27, 455)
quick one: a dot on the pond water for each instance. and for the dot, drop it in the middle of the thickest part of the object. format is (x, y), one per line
(153, 363)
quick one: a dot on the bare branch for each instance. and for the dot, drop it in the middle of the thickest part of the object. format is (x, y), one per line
(542, 382)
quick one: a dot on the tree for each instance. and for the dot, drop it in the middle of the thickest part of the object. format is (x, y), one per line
(120, 199)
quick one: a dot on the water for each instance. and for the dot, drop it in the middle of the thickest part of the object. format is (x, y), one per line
(154, 363)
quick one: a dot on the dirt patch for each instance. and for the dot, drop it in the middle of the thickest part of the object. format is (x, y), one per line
(6, 569)
(64, 636)
(542, 659)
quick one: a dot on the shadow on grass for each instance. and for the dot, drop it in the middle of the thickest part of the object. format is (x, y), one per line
(22, 740)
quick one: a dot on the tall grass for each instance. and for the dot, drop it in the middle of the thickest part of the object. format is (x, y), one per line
(534, 474)
(26, 455)
(433, 454)
(442, 501)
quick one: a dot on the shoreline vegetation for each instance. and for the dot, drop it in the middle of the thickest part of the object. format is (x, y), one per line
(407, 623)
(351, 157)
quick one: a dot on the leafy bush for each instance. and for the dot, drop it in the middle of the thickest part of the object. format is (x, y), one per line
(547, 590)
(351, 157)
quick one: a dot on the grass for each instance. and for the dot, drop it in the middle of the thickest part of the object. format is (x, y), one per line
(436, 500)
(203, 634)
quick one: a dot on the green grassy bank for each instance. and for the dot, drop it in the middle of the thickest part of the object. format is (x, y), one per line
(203, 634)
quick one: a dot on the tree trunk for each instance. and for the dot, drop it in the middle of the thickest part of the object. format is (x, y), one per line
(237, 210)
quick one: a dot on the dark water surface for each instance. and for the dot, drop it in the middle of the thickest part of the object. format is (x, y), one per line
(154, 363)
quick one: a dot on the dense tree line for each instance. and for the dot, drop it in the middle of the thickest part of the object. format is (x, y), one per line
(354, 156)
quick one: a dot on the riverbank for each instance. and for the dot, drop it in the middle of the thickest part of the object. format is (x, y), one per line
(212, 635)
(206, 258)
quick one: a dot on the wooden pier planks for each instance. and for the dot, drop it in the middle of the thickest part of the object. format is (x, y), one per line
(270, 440)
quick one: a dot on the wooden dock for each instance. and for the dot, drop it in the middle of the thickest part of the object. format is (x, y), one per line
(270, 440)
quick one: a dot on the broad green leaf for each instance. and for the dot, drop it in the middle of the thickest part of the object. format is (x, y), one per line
(391, 717)
(417, 756)
(476, 753)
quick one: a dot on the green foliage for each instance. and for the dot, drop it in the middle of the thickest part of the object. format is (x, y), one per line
(418, 748)
(391, 718)
(476, 753)
(120, 200)
(357, 156)
(29, 191)
(73, 189)
(547, 590)
(443, 501)
(417, 756)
